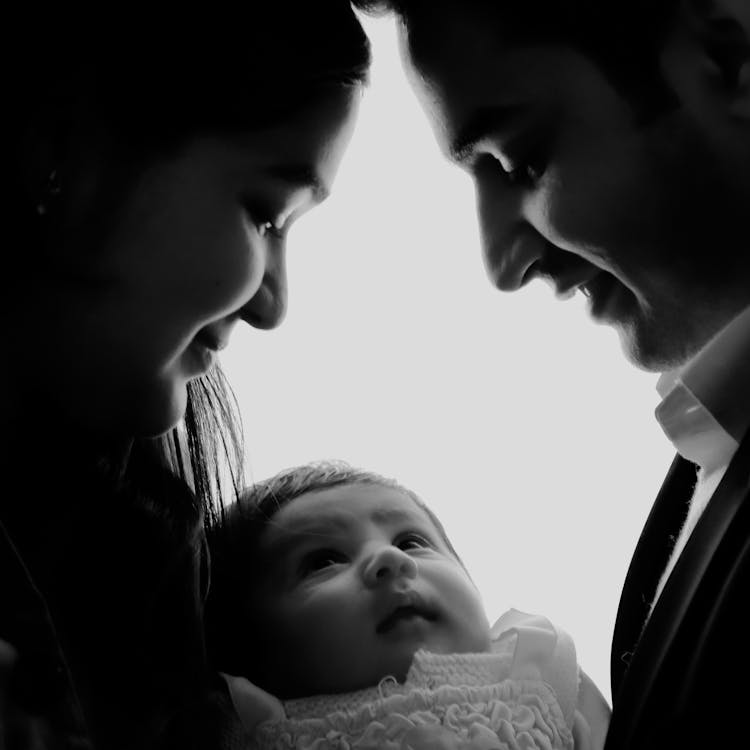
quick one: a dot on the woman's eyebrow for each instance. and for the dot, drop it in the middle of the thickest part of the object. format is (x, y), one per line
(482, 123)
(301, 176)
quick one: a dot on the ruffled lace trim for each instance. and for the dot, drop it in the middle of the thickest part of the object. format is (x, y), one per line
(520, 696)
(512, 714)
(427, 671)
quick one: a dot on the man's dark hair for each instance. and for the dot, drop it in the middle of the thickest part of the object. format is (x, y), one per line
(623, 39)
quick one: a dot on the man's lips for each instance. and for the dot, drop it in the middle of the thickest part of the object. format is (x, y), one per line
(566, 288)
(563, 271)
(566, 285)
(566, 272)
(605, 296)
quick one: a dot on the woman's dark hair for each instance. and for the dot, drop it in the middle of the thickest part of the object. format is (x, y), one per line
(148, 79)
(237, 567)
(207, 451)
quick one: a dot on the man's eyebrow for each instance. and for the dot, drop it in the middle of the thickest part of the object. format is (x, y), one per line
(484, 121)
(301, 176)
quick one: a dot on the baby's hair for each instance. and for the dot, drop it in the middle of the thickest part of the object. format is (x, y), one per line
(236, 564)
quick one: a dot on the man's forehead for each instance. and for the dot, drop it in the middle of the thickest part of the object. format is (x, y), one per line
(458, 69)
(445, 29)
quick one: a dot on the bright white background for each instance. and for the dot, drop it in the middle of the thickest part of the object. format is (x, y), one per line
(515, 417)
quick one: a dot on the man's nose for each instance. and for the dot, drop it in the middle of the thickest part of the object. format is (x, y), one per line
(268, 305)
(510, 244)
(388, 563)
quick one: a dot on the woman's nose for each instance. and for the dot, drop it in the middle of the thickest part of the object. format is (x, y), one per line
(267, 307)
(388, 563)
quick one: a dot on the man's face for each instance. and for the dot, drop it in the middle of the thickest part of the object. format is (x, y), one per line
(357, 578)
(643, 219)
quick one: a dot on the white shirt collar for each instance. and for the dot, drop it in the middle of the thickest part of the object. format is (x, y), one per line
(705, 407)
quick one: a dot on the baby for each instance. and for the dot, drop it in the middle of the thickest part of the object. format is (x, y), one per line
(343, 617)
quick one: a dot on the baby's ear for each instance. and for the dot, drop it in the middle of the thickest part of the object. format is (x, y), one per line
(253, 705)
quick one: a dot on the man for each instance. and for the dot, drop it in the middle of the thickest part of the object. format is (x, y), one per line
(609, 144)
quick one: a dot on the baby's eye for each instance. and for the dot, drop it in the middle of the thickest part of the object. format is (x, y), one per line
(411, 541)
(320, 560)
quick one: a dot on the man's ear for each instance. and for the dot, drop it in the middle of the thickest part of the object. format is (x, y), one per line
(722, 30)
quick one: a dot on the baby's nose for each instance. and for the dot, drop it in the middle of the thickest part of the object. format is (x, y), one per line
(389, 563)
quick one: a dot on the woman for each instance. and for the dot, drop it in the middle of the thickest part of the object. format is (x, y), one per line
(157, 165)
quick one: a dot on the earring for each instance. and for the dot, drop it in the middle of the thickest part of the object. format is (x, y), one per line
(51, 192)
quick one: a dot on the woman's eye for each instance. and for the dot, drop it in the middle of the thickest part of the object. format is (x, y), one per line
(320, 560)
(412, 541)
(268, 228)
(257, 213)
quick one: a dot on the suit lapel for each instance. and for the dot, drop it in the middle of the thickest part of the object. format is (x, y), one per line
(636, 685)
(649, 560)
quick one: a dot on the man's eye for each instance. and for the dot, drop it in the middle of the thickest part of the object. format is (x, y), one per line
(532, 173)
(519, 164)
(320, 560)
(412, 541)
(527, 172)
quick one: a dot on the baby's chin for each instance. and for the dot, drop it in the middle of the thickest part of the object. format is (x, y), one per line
(389, 660)
(399, 668)
(392, 666)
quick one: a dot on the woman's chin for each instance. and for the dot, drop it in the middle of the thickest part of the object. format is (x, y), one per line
(161, 410)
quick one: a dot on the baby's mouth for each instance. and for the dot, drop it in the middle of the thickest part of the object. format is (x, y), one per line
(404, 613)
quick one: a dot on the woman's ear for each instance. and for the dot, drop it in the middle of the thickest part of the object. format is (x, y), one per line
(41, 154)
(62, 151)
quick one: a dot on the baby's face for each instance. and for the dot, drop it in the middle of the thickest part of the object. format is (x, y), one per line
(358, 578)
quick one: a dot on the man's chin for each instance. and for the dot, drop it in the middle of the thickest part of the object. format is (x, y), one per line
(651, 349)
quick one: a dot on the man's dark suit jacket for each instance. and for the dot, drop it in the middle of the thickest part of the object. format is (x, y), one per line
(681, 677)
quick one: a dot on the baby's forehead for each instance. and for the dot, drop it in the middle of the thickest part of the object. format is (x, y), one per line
(346, 505)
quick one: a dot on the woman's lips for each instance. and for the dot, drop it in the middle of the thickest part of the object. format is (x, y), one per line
(202, 358)
(211, 340)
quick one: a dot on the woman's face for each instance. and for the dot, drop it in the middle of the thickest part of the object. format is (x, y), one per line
(198, 245)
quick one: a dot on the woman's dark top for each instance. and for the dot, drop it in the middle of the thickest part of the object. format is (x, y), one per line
(101, 596)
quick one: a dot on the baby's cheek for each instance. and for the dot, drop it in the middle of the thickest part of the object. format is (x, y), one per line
(475, 627)
(479, 641)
